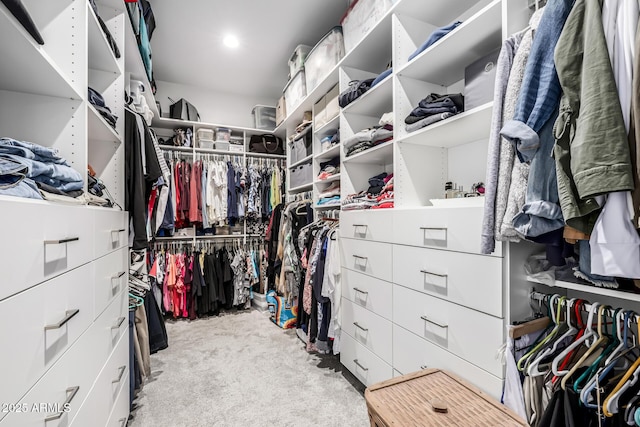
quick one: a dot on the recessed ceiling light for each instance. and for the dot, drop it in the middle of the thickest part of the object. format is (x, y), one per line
(231, 41)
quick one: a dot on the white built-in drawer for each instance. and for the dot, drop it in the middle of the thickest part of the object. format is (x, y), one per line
(362, 363)
(412, 353)
(110, 230)
(371, 258)
(474, 281)
(369, 329)
(455, 229)
(120, 412)
(39, 326)
(55, 239)
(112, 324)
(68, 381)
(368, 225)
(470, 334)
(111, 278)
(368, 292)
(102, 398)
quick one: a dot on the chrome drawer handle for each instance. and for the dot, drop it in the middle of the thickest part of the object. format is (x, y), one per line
(118, 275)
(120, 374)
(440, 325)
(434, 228)
(357, 325)
(68, 316)
(118, 323)
(360, 257)
(361, 291)
(123, 422)
(433, 274)
(356, 226)
(122, 230)
(359, 365)
(67, 401)
(61, 241)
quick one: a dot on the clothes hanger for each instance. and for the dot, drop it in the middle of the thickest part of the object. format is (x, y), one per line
(588, 333)
(522, 362)
(610, 405)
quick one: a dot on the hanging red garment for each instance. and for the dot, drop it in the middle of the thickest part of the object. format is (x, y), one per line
(195, 193)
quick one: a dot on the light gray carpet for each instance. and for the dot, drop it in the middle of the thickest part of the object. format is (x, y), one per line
(239, 369)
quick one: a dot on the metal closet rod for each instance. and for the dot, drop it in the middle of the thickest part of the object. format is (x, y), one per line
(539, 297)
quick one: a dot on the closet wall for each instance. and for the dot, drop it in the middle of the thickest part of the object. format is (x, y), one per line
(64, 297)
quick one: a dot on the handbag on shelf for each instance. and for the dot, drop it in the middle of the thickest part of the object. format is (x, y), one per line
(266, 144)
(183, 110)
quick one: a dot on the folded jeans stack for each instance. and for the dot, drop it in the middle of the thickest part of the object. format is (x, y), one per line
(434, 108)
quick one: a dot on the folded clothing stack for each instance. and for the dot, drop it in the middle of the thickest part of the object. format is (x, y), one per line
(330, 141)
(330, 196)
(356, 89)
(329, 168)
(434, 108)
(25, 166)
(385, 198)
(379, 195)
(358, 201)
(370, 137)
(97, 100)
(377, 183)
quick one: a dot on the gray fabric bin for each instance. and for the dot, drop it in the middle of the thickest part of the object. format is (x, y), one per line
(301, 175)
(479, 80)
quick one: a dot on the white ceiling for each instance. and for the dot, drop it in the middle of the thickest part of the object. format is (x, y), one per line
(188, 49)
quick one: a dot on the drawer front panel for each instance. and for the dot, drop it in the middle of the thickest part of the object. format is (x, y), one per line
(120, 413)
(471, 280)
(112, 325)
(412, 353)
(111, 278)
(48, 325)
(111, 232)
(362, 363)
(370, 258)
(369, 329)
(455, 229)
(367, 225)
(471, 335)
(367, 292)
(57, 239)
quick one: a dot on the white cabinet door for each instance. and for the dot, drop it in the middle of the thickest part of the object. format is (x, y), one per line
(367, 225)
(371, 258)
(455, 229)
(412, 353)
(369, 329)
(474, 281)
(471, 335)
(362, 363)
(40, 325)
(368, 292)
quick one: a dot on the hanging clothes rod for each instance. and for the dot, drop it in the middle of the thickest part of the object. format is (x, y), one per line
(539, 297)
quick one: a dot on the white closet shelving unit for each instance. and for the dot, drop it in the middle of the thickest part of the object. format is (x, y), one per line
(68, 264)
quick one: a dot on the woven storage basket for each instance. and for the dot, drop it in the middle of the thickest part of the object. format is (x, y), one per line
(407, 401)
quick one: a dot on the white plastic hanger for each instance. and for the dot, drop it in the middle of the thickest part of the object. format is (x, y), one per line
(589, 333)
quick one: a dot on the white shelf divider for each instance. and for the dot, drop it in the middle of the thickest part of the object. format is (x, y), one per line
(101, 56)
(301, 162)
(329, 154)
(99, 129)
(328, 127)
(375, 102)
(332, 178)
(382, 154)
(301, 188)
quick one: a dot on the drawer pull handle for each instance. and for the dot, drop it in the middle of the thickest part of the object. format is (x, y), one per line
(434, 228)
(440, 325)
(122, 230)
(67, 401)
(361, 291)
(356, 226)
(359, 365)
(433, 274)
(68, 316)
(118, 275)
(123, 422)
(121, 370)
(118, 323)
(61, 241)
(423, 367)
(357, 325)
(360, 257)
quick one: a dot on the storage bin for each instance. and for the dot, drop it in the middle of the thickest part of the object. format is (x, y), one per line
(236, 148)
(206, 143)
(323, 58)
(264, 117)
(411, 400)
(223, 134)
(295, 91)
(205, 133)
(296, 61)
(281, 111)
(480, 80)
(332, 108)
(302, 146)
(361, 17)
(319, 116)
(301, 175)
(222, 145)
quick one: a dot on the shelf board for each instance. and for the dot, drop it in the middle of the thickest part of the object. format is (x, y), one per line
(267, 156)
(329, 127)
(382, 154)
(101, 56)
(99, 129)
(336, 206)
(472, 125)
(374, 102)
(219, 152)
(329, 154)
(332, 178)
(301, 162)
(176, 148)
(135, 66)
(444, 62)
(629, 296)
(26, 67)
(301, 188)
